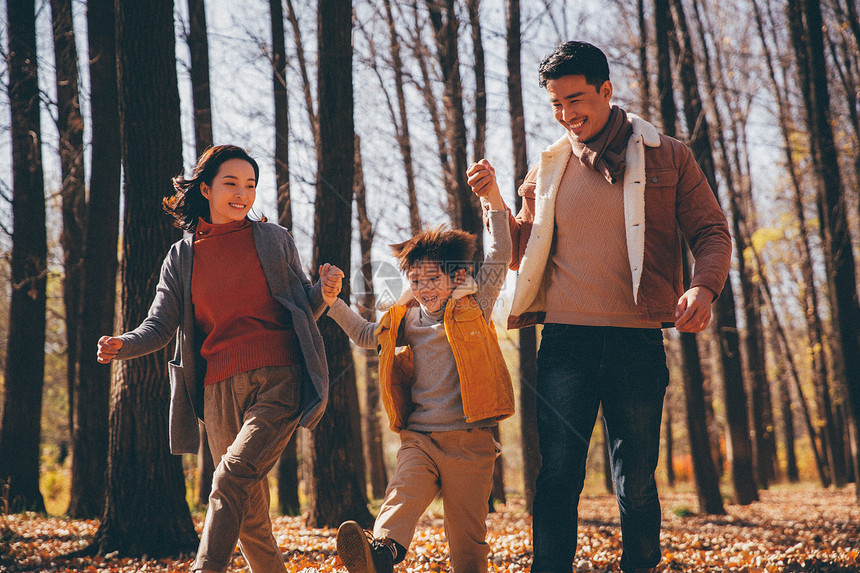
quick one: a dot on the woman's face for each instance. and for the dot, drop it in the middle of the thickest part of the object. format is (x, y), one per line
(232, 192)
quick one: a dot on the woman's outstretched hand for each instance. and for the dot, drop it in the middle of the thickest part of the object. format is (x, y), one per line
(108, 347)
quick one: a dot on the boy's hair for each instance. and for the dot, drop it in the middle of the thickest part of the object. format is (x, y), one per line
(451, 249)
(575, 59)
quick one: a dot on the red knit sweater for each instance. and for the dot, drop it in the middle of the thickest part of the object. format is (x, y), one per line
(245, 327)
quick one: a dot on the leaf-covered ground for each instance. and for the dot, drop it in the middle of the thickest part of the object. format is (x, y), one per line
(790, 529)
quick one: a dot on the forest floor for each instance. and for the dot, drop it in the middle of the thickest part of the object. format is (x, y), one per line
(789, 529)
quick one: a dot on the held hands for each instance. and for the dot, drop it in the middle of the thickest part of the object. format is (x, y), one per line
(108, 346)
(693, 312)
(482, 180)
(331, 279)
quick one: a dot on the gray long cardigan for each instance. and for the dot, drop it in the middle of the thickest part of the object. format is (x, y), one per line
(173, 313)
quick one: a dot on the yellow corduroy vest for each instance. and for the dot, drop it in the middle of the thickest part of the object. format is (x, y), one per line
(485, 383)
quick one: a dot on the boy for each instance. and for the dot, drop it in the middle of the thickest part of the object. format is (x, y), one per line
(443, 393)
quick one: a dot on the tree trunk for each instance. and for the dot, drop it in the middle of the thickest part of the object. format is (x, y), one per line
(465, 213)
(401, 124)
(809, 292)
(498, 491)
(288, 463)
(288, 478)
(205, 467)
(70, 126)
(198, 45)
(145, 510)
(478, 152)
(743, 477)
(704, 470)
(716, 428)
(669, 440)
(313, 119)
(479, 145)
(665, 92)
(25, 348)
(338, 485)
(844, 56)
(814, 436)
(837, 240)
(527, 336)
(374, 426)
(367, 308)
(528, 412)
(743, 222)
(92, 404)
(644, 76)
(608, 481)
(788, 433)
(282, 115)
(852, 458)
(831, 416)
(425, 85)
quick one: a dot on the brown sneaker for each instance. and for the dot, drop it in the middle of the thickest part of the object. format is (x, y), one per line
(360, 553)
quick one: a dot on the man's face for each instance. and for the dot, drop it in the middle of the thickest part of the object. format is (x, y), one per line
(581, 108)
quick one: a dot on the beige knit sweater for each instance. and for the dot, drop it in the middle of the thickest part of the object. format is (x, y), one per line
(589, 281)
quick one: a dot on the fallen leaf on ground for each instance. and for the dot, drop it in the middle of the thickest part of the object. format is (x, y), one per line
(789, 530)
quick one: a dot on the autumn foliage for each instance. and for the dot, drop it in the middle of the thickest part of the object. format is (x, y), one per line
(790, 529)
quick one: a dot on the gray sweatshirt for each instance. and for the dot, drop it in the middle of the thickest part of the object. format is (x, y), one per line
(436, 390)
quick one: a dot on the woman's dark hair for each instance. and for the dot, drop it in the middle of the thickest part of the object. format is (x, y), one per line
(575, 59)
(188, 204)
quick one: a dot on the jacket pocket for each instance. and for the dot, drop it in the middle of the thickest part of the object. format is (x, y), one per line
(661, 177)
(485, 386)
(183, 429)
(399, 404)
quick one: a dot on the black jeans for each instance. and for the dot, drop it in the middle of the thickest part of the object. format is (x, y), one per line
(578, 369)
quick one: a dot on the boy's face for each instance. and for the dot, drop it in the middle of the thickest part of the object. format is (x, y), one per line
(430, 285)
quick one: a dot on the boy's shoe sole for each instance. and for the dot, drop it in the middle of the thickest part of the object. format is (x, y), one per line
(354, 549)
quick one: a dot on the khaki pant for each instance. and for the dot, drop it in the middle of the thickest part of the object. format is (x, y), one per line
(249, 420)
(458, 463)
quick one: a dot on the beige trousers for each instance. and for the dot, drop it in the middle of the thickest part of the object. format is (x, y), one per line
(459, 464)
(249, 420)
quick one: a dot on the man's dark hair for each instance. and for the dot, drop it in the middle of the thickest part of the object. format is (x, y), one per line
(575, 59)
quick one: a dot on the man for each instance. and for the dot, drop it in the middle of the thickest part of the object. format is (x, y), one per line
(597, 247)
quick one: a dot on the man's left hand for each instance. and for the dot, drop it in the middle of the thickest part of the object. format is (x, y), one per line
(693, 312)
